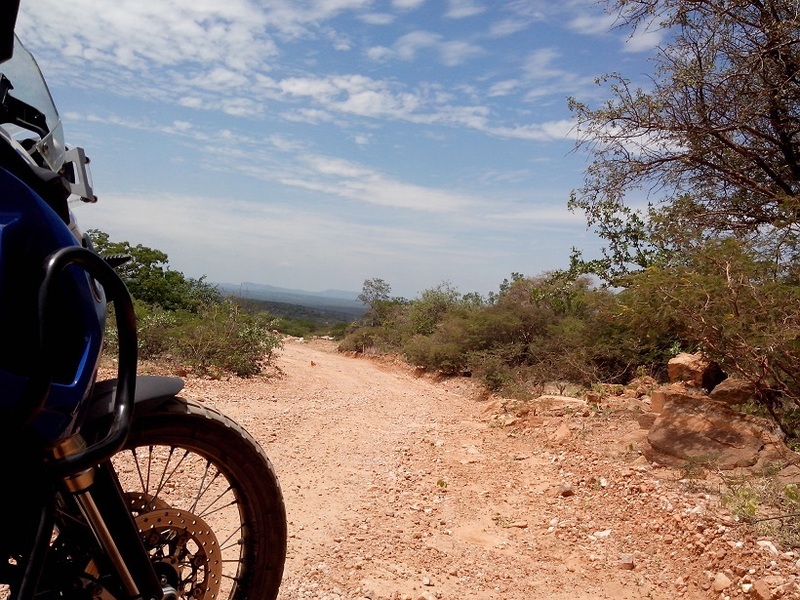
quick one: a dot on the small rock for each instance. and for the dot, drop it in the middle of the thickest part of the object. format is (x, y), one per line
(768, 546)
(761, 590)
(565, 491)
(626, 562)
(427, 581)
(721, 582)
(601, 535)
(562, 434)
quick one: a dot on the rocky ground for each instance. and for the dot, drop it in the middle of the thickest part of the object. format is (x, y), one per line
(398, 486)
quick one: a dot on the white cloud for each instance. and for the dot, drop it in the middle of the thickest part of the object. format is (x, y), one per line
(507, 27)
(190, 102)
(553, 215)
(337, 177)
(379, 53)
(456, 53)
(644, 40)
(340, 42)
(139, 35)
(407, 4)
(329, 166)
(353, 94)
(592, 24)
(377, 18)
(538, 64)
(544, 79)
(240, 107)
(460, 9)
(308, 115)
(410, 46)
(551, 131)
(503, 88)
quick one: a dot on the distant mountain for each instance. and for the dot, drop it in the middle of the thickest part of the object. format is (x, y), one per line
(328, 300)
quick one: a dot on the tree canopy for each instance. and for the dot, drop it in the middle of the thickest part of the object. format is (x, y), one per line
(151, 280)
(712, 140)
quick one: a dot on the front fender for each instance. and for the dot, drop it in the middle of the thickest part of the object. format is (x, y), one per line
(151, 391)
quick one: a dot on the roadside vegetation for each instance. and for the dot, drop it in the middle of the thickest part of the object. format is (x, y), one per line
(694, 185)
(187, 321)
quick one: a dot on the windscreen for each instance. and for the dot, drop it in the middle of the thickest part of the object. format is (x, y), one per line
(30, 87)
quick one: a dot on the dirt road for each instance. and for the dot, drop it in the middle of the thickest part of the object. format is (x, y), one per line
(401, 487)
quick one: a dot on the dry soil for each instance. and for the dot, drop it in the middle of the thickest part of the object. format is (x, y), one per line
(400, 486)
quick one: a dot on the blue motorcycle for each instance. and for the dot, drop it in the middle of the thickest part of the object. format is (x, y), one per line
(118, 489)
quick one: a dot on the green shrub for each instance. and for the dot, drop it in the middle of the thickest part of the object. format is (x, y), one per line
(434, 355)
(224, 339)
(493, 371)
(362, 340)
(155, 327)
(220, 339)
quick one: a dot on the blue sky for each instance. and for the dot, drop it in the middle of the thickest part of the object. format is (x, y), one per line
(313, 144)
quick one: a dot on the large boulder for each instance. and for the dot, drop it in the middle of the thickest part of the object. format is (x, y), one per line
(695, 429)
(696, 370)
(673, 392)
(733, 392)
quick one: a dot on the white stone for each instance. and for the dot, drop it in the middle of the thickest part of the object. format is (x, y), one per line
(768, 546)
(601, 535)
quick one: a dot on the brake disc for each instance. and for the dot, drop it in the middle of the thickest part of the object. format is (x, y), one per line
(183, 549)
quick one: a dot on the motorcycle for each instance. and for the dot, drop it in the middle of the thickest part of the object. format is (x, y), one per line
(117, 489)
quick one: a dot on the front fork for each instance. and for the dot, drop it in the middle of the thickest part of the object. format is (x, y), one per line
(100, 497)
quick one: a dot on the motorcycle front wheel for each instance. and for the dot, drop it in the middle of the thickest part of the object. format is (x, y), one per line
(206, 501)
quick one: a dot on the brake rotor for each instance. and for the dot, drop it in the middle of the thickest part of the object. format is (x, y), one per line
(184, 549)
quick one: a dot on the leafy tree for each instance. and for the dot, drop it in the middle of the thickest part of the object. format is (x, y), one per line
(714, 140)
(715, 135)
(729, 301)
(505, 287)
(374, 291)
(433, 304)
(382, 315)
(150, 279)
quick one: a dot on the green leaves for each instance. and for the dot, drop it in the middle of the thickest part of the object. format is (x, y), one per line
(151, 280)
